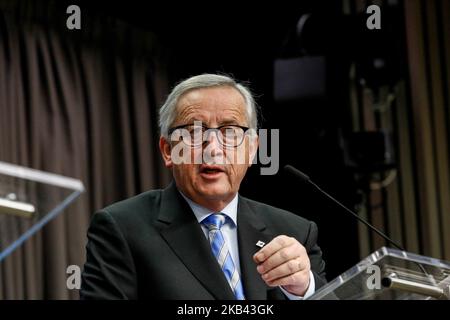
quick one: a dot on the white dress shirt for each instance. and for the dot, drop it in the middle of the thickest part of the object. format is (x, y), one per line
(229, 231)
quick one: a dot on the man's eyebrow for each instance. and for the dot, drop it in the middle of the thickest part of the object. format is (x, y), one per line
(229, 121)
(192, 120)
(221, 123)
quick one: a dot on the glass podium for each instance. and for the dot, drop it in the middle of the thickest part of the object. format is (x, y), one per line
(29, 199)
(391, 274)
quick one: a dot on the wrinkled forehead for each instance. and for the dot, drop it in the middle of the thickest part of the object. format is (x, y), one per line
(222, 103)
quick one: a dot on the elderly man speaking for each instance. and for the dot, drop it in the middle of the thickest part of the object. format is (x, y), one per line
(198, 238)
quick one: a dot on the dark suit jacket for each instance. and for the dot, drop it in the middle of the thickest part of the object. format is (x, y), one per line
(152, 247)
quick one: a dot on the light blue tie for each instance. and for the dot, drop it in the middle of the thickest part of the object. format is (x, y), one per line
(220, 250)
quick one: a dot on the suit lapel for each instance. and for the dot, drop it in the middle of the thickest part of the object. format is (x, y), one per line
(251, 229)
(184, 235)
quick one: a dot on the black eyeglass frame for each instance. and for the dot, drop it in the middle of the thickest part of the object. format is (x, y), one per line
(217, 129)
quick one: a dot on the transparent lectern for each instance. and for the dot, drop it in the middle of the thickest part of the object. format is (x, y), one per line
(28, 200)
(391, 274)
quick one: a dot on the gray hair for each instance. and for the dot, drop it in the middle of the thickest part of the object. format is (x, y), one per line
(167, 113)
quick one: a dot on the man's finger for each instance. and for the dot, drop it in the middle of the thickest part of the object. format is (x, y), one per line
(290, 280)
(278, 258)
(272, 247)
(284, 270)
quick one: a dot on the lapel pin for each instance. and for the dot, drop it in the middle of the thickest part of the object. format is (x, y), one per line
(260, 244)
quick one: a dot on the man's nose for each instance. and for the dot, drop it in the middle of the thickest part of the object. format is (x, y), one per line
(213, 142)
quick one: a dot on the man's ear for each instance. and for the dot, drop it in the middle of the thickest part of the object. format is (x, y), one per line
(166, 151)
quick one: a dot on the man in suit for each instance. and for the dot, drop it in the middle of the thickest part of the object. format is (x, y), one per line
(198, 238)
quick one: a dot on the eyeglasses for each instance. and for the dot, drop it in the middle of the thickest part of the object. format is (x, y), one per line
(196, 135)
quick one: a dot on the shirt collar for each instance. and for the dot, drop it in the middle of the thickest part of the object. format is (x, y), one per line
(202, 213)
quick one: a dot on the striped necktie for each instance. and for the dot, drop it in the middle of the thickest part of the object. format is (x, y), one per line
(220, 250)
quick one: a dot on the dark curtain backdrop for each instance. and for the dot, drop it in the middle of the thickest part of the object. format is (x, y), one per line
(82, 104)
(414, 208)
